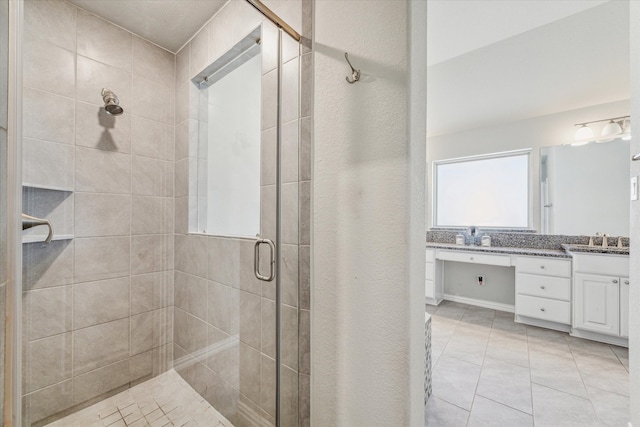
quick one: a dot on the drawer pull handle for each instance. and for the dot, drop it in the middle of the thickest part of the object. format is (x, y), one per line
(626, 282)
(471, 258)
(615, 281)
(541, 287)
(542, 309)
(542, 267)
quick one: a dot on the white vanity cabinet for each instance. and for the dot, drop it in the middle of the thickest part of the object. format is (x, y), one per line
(597, 303)
(543, 291)
(601, 297)
(433, 285)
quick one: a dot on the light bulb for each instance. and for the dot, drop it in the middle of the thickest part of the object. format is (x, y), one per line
(610, 131)
(583, 134)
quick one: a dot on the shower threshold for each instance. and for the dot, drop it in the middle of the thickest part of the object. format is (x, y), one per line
(165, 400)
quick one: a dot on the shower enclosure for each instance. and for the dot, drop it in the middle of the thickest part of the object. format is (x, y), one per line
(180, 220)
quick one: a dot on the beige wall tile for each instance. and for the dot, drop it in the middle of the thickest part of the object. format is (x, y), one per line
(153, 100)
(46, 116)
(199, 48)
(152, 215)
(305, 149)
(54, 21)
(268, 385)
(191, 294)
(104, 42)
(224, 260)
(151, 291)
(289, 338)
(290, 152)
(191, 254)
(290, 213)
(250, 319)
(290, 90)
(190, 332)
(268, 212)
(268, 146)
(268, 328)
(93, 76)
(182, 64)
(223, 307)
(98, 215)
(250, 372)
(100, 258)
(305, 277)
(100, 345)
(141, 332)
(289, 275)
(141, 365)
(151, 253)
(304, 342)
(153, 62)
(47, 401)
(152, 177)
(99, 171)
(49, 67)
(47, 312)
(95, 128)
(100, 381)
(48, 362)
(56, 206)
(100, 302)
(289, 396)
(150, 138)
(47, 266)
(305, 213)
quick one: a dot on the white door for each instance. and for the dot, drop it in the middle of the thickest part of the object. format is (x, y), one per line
(624, 307)
(596, 303)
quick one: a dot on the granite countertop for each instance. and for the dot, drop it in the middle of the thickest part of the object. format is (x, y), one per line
(613, 250)
(556, 253)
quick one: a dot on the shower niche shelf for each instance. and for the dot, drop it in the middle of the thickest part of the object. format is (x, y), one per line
(36, 238)
(54, 204)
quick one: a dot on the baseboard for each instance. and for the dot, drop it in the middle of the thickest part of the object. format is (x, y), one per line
(542, 323)
(481, 303)
(594, 336)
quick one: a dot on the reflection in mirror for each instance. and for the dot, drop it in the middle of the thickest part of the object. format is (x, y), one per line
(229, 142)
(585, 189)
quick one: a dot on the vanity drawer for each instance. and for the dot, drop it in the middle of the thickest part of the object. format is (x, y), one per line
(475, 258)
(544, 308)
(430, 271)
(543, 286)
(544, 266)
(431, 255)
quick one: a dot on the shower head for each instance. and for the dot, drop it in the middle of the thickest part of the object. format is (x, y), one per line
(111, 102)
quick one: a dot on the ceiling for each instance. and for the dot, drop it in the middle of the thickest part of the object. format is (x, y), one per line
(461, 26)
(577, 61)
(167, 23)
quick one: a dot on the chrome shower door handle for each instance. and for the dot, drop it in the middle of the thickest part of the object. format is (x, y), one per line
(29, 221)
(272, 260)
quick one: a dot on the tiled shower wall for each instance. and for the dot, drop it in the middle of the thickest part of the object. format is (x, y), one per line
(4, 44)
(98, 303)
(224, 337)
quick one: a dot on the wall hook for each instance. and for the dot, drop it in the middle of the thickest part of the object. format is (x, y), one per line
(355, 74)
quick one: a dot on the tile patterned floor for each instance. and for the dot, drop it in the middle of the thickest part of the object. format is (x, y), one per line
(166, 400)
(490, 371)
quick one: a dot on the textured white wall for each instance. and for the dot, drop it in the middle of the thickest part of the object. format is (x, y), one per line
(368, 233)
(634, 291)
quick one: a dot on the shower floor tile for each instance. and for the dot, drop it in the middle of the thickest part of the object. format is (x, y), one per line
(166, 400)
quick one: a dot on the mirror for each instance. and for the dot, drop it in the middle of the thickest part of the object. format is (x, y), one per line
(585, 189)
(492, 93)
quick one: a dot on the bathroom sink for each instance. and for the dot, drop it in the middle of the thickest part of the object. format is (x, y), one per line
(596, 249)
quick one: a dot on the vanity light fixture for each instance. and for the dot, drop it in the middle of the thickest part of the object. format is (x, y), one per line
(617, 127)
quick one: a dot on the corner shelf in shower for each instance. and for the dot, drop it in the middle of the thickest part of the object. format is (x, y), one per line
(53, 199)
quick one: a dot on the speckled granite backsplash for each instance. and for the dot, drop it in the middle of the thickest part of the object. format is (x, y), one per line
(520, 239)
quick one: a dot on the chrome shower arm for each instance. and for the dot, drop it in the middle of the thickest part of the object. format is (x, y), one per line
(29, 221)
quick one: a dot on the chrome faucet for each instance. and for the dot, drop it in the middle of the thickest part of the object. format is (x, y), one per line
(29, 221)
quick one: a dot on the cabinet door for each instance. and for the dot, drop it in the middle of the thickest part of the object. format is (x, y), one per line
(596, 303)
(624, 307)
